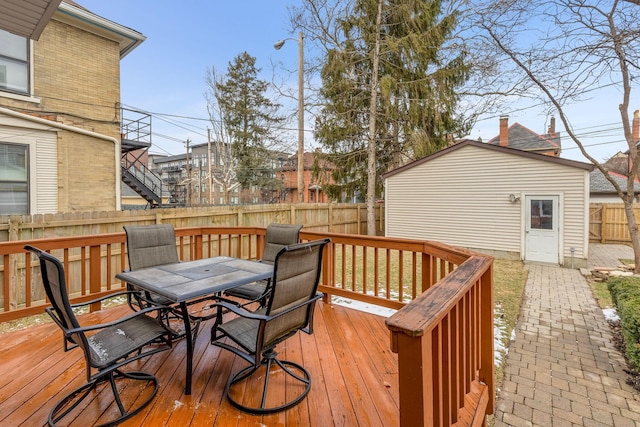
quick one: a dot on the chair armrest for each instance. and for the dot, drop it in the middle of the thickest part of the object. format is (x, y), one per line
(295, 307)
(115, 322)
(251, 315)
(240, 311)
(93, 301)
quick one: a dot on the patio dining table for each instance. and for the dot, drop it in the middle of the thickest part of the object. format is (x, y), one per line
(186, 281)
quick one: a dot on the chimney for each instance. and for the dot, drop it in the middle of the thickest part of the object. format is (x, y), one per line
(504, 131)
(635, 128)
(552, 127)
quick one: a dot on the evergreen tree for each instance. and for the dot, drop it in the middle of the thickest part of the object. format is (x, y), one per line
(250, 119)
(414, 97)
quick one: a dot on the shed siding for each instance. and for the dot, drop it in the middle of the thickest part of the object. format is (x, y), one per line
(462, 199)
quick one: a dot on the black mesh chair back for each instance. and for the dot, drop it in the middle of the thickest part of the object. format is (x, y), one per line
(277, 237)
(151, 245)
(295, 283)
(55, 287)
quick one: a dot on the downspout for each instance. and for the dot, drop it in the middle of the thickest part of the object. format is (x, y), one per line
(45, 122)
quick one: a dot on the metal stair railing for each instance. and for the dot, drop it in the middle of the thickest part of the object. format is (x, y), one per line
(142, 180)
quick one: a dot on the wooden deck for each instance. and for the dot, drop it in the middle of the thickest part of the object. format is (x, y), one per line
(354, 376)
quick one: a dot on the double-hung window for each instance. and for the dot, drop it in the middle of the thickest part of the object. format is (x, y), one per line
(14, 63)
(14, 184)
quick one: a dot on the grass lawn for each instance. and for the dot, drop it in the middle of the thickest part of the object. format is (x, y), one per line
(509, 278)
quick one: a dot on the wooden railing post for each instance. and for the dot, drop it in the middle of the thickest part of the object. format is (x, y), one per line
(415, 365)
(487, 367)
(196, 245)
(95, 267)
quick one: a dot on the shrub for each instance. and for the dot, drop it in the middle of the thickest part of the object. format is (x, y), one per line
(625, 292)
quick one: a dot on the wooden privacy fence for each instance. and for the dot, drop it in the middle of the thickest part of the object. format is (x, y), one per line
(350, 218)
(443, 331)
(608, 222)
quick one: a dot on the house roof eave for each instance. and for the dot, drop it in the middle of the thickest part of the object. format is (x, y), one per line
(508, 150)
(26, 19)
(73, 14)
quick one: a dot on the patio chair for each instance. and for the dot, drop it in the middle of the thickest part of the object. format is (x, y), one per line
(150, 246)
(107, 347)
(254, 335)
(277, 237)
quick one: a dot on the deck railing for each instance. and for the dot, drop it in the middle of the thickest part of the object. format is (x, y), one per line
(443, 331)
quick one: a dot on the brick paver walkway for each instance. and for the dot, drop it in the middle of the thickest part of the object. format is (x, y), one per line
(562, 368)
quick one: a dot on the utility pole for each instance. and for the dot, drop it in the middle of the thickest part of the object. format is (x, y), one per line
(300, 117)
(188, 181)
(209, 158)
(278, 45)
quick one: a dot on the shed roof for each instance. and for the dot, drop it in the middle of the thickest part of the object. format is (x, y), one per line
(507, 150)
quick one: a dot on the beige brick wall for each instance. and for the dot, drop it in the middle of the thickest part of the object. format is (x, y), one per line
(77, 79)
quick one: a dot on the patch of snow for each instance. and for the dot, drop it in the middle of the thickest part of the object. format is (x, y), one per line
(98, 348)
(363, 306)
(610, 314)
(499, 332)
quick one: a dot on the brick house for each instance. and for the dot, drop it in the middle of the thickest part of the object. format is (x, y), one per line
(522, 138)
(312, 186)
(60, 138)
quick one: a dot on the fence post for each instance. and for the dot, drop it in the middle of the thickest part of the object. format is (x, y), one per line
(330, 207)
(603, 224)
(13, 284)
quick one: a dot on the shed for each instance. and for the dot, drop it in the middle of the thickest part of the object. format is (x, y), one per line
(493, 199)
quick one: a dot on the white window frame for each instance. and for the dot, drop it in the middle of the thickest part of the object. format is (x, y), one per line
(26, 180)
(30, 95)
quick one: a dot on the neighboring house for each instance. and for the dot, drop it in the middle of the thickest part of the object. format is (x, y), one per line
(522, 138)
(312, 186)
(618, 165)
(602, 191)
(60, 135)
(493, 199)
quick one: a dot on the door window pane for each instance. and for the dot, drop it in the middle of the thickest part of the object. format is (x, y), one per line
(542, 214)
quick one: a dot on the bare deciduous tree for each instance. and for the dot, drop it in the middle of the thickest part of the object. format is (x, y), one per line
(223, 173)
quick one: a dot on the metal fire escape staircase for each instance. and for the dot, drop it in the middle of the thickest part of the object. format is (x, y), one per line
(135, 143)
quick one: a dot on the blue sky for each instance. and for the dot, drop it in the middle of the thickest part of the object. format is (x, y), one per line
(165, 74)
